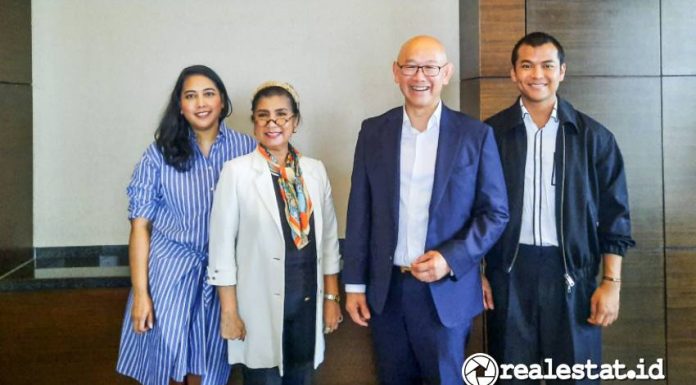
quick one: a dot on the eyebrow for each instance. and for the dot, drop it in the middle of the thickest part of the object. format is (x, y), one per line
(523, 61)
(205, 89)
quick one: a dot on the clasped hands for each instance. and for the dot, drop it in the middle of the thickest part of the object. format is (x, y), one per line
(429, 267)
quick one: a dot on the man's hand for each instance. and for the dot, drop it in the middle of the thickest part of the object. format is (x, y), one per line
(604, 304)
(487, 293)
(356, 306)
(430, 267)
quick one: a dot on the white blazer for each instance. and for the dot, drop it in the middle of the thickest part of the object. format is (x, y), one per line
(247, 249)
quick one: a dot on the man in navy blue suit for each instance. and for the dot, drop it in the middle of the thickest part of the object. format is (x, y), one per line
(427, 201)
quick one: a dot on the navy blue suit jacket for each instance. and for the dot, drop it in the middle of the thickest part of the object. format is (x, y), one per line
(468, 210)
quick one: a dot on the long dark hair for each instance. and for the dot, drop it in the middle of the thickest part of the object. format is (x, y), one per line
(172, 135)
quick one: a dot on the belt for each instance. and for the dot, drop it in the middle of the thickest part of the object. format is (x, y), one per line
(404, 269)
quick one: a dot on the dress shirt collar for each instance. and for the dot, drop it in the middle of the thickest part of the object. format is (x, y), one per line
(554, 113)
(433, 122)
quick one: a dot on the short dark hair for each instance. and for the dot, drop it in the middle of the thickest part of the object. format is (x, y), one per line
(275, 91)
(172, 135)
(536, 39)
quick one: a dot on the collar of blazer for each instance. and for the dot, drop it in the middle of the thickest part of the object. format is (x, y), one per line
(267, 194)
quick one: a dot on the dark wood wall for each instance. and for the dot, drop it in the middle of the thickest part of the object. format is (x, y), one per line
(71, 337)
(631, 65)
(15, 134)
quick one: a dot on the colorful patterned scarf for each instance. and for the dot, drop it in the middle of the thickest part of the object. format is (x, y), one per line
(298, 205)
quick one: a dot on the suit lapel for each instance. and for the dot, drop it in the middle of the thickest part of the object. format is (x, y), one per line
(447, 147)
(264, 185)
(391, 160)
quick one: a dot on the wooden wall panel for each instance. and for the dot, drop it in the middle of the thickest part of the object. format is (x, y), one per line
(469, 39)
(679, 99)
(501, 24)
(488, 31)
(678, 37)
(482, 98)
(630, 108)
(602, 37)
(15, 41)
(68, 337)
(61, 337)
(15, 175)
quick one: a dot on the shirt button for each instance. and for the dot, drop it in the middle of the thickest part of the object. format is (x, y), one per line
(306, 299)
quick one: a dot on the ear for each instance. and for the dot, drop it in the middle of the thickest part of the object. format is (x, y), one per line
(448, 72)
(395, 72)
(563, 71)
(513, 76)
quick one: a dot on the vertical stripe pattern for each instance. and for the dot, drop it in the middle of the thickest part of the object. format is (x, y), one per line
(185, 337)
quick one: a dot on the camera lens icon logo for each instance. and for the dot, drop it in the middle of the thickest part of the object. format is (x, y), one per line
(480, 369)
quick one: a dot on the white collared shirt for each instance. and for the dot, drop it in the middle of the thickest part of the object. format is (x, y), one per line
(539, 205)
(416, 175)
(417, 172)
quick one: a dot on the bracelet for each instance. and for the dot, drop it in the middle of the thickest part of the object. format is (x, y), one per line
(611, 279)
(333, 297)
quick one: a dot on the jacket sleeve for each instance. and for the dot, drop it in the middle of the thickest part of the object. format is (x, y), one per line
(489, 214)
(224, 225)
(614, 227)
(358, 223)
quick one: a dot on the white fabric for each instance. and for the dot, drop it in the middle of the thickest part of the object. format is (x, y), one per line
(416, 177)
(539, 204)
(247, 249)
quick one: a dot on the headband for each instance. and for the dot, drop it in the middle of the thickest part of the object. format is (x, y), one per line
(286, 86)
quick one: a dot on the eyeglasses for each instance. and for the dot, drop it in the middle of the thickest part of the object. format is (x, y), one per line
(412, 69)
(265, 120)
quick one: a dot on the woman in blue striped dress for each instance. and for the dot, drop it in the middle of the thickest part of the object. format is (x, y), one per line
(170, 333)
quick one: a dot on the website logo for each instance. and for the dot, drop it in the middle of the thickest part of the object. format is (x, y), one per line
(480, 369)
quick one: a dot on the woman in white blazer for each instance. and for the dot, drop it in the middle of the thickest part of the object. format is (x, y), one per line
(274, 250)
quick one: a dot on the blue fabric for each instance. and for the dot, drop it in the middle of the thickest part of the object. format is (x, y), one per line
(594, 217)
(412, 346)
(185, 338)
(536, 318)
(468, 210)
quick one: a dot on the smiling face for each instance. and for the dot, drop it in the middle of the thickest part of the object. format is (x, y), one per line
(275, 137)
(421, 91)
(538, 73)
(201, 103)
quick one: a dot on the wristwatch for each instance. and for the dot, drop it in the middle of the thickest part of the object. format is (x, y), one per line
(333, 297)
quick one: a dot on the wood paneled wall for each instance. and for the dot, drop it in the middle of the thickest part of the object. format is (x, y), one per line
(15, 134)
(71, 337)
(630, 66)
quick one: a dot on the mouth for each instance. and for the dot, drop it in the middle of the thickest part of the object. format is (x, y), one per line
(419, 88)
(272, 135)
(202, 114)
(538, 85)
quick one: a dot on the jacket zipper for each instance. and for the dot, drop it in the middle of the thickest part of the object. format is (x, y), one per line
(568, 279)
(570, 283)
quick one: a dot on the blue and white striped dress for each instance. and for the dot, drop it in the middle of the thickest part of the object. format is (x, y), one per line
(185, 337)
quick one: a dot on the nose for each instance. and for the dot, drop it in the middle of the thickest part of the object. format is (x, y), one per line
(420, 73)
(537, 71)
(200, 101)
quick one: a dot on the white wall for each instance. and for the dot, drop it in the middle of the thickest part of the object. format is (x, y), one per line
(103, 69)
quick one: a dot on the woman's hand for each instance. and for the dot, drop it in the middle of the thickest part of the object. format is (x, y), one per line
(142, 313)
(332, 316)
(232, 326)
